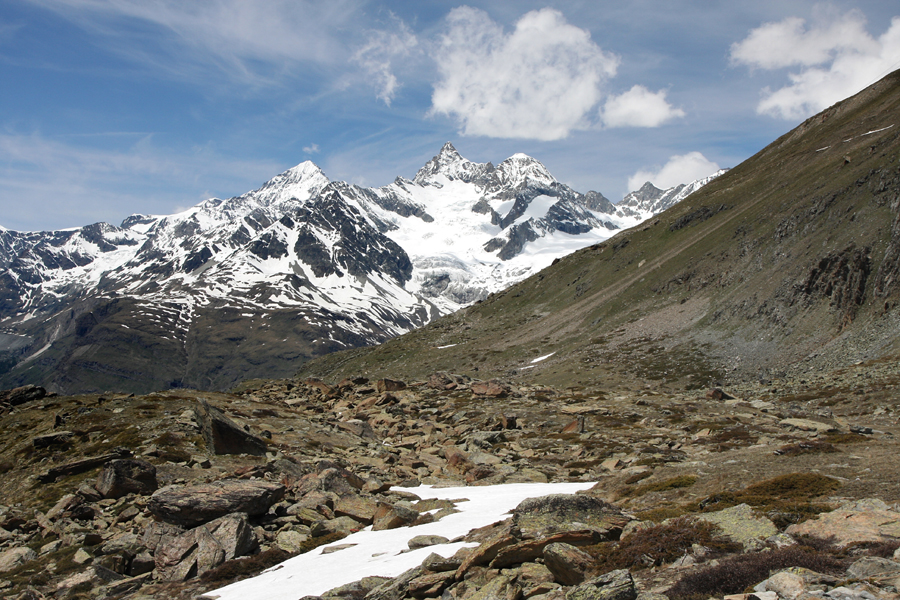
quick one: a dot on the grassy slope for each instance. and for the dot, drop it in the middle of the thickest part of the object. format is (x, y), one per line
(718, 296)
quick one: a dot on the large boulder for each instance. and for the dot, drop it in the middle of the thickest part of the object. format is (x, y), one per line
(224, 436)
(567, 563)
(546, 515)
(205, 547)
(615, 585)
(126, 476)
(21, 395)
(189, 506)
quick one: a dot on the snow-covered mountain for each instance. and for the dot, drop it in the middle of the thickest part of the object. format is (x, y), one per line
(255, 284)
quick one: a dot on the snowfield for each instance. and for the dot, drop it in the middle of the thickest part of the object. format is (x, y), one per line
(386, 553)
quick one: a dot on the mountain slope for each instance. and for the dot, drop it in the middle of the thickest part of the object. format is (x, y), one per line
(256, 284)
(787, 262)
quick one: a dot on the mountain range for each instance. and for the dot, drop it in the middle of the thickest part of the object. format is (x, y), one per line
(786, 265)
(254, 285)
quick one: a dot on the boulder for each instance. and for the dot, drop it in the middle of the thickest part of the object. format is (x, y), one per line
(189, 506)
(741, 525)
(868, 520)
(390, 516)
(546, 515)
(615, 585)
(92, 578)
(357, 508)
(205, 547)
(121, 477)
(491, 388)
(430, 585)
(528, 550)
(501, 587)
(436, 563)
(21, 395)
(13, 557)
(389, 385)
(223, 436)
(567, 563)
(872, 566)
(396, 588)
(424, 541)
(291, 541)
(52, 439)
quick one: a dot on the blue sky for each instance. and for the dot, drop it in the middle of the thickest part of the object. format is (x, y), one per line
(115, 107)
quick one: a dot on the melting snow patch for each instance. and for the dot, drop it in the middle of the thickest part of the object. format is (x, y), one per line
(540, 358)
(386, 553)
(447, 346)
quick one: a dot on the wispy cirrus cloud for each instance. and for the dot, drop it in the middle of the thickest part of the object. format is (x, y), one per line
(250, 42)
(379, 53)
(836, 57)
(76, 185)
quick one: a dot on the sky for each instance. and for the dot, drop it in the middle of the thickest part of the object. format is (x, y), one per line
(116, 107)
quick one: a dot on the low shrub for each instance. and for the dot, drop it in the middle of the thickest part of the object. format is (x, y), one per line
(736, 573)
(659, 544)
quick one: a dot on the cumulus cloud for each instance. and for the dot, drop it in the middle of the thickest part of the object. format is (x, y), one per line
(377, 54)
(540, 81)
(638, 107)
(836, 59)
(682, 168)
(311, 149)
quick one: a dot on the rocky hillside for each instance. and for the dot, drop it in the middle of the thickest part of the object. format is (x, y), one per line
(697, 494)
(787, 263)
(255, 285)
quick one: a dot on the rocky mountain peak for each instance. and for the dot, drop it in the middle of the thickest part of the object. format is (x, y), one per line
(449, 164)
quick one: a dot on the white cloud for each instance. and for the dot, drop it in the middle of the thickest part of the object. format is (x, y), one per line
(311, 149)
(682, 168)
(836, 59)
(252, 42)
(638, 107)
(379, 52)
(538, 82)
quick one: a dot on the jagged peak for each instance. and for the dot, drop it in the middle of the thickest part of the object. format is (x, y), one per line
(520, 168)
(449, 163)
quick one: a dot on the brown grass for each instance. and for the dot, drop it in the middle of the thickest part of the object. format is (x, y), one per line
(659, 544)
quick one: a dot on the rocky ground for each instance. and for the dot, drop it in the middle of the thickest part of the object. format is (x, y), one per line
(699, 493)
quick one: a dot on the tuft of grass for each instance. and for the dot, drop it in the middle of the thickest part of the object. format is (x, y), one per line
(785, 499)
(682, 481)
(812, 447)
(241, 568)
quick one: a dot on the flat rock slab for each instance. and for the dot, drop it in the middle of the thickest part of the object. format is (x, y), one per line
(867, 520)
(189, 506)
(741, 525)
(808, 425)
